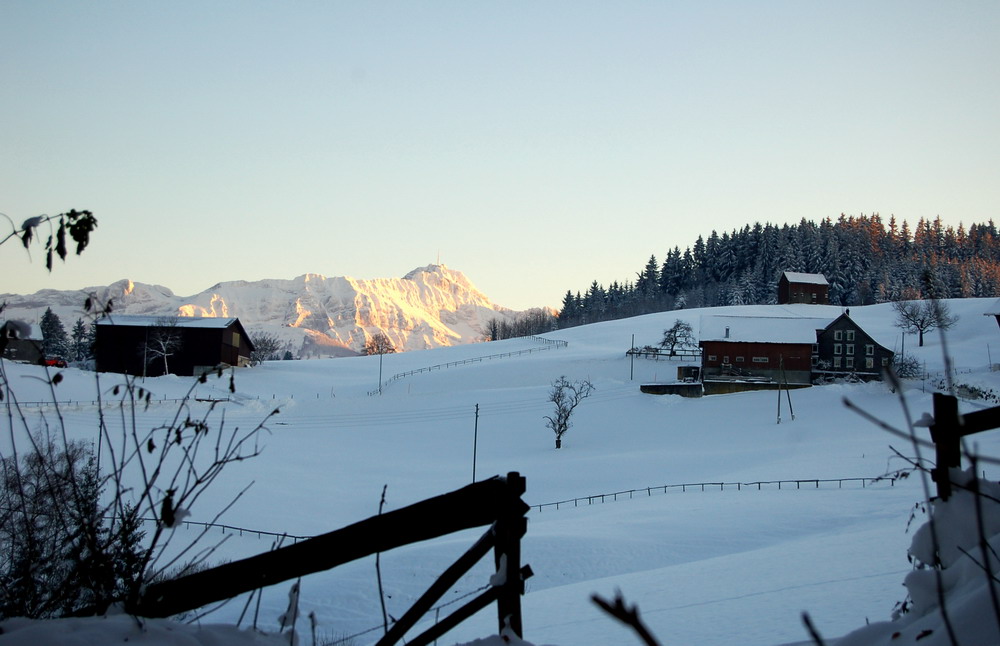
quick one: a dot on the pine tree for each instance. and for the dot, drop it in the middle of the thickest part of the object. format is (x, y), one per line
(81, 349)
(670, 273)
(595, 303)
(647, 286)
(569, 315)
(699, 257)
(55, 343)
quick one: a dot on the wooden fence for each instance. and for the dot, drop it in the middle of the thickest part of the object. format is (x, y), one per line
(657, 353)
(495, 502)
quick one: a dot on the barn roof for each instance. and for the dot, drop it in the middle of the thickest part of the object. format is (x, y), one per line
(761, 329)
(211, 322)
(809, 279)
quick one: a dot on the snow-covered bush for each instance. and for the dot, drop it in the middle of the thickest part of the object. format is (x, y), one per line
(953, 590)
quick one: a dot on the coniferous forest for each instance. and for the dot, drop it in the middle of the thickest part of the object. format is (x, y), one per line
(864, 259)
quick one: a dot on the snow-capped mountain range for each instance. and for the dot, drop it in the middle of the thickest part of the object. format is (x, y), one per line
(313, 315)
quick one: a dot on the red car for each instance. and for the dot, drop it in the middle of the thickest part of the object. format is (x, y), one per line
(55, 362)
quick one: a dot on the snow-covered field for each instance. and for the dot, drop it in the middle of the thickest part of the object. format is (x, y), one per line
(720, 566)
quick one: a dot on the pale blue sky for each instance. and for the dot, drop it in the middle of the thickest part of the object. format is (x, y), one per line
(535, 145)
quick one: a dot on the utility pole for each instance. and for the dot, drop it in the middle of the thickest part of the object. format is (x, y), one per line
(631, 370)
(475, 443)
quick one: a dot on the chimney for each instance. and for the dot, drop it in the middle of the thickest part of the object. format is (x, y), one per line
(727, 331)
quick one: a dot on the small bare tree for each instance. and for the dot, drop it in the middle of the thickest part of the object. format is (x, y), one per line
(266, 347)
(923, 316)
(566, 395)
(162, 341)
(679, 336)
(379, 343)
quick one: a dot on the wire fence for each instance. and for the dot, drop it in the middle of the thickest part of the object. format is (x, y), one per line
(114, 403)
(625, 494)
(549, 344)
(628, 494)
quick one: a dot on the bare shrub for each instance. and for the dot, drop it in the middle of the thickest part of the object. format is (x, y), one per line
(566, 395)
(71, 519)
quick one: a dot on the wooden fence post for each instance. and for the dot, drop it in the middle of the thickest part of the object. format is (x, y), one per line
(947, 432)
(511, 526)
(946, 436)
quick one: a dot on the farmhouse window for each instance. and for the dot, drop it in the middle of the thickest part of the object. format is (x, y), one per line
(712, 357)
(869, 350)
(850, 348)
(815, 348)
(236, 339)
(838, 335)
(869, 363)
(885, 361)
(850, 362)
(739, 359)
(760, 359)
(850, 335)
(838, 348)
(815, 361)
(725, 359)
(836, 362)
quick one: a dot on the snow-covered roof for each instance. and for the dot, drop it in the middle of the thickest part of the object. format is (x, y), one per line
(799, 277)
(24, 330)
(761, 329)
(214, 322)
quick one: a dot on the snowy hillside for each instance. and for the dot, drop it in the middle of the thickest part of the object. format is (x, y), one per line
(313, 315)
(732, 564)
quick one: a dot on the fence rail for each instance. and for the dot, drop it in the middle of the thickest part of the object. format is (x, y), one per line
(550, 344)
(706, 486)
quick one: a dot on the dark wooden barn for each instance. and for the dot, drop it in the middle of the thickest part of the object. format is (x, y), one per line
(796, 287)
(844, 349)
(180, 345)
(755, 347)
(23, 351)
(994, 312)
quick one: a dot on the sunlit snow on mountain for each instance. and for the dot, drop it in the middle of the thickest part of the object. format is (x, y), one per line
(313, 315)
